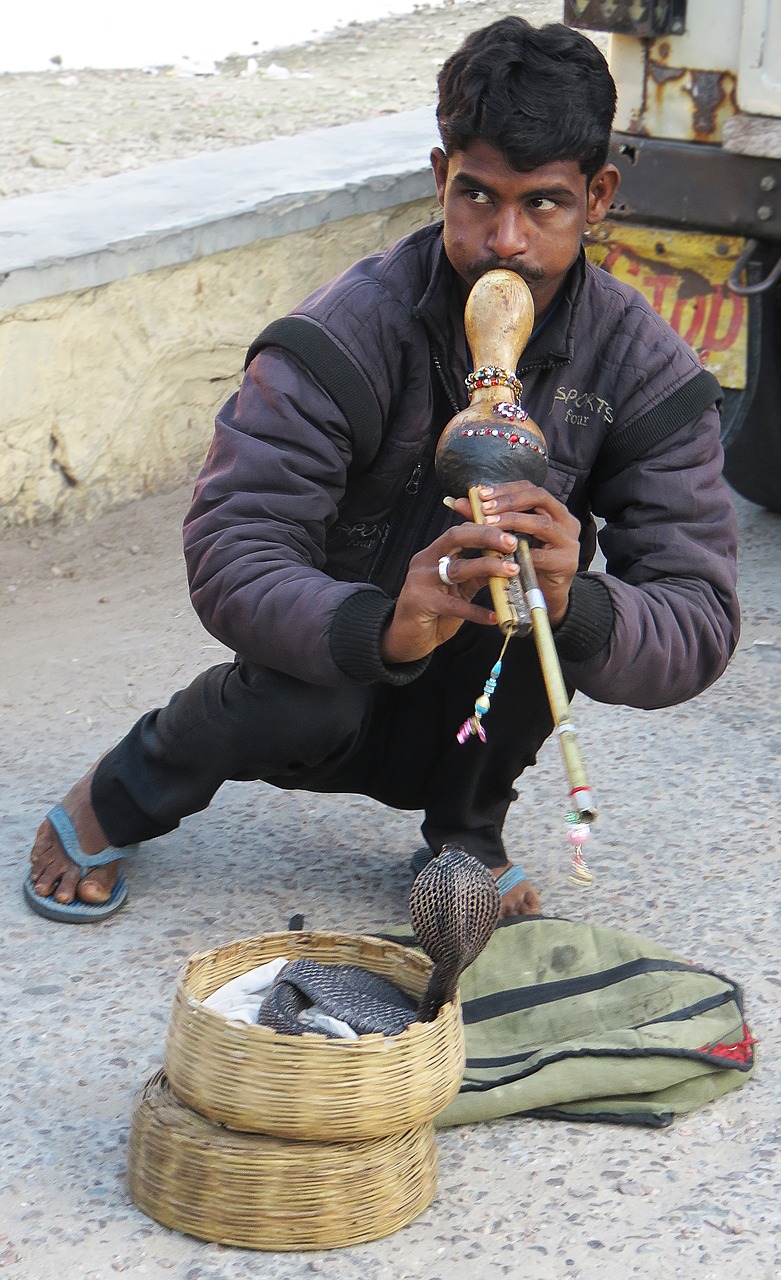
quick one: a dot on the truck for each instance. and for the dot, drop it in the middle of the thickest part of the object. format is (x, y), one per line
(696, 224)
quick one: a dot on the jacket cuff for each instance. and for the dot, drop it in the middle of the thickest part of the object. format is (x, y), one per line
(356, 632)
(588, 622)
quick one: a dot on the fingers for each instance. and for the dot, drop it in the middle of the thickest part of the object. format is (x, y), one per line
(525, 508)
(552, 532)
(471, 538)
(530, 510)
(468, 573)
(441, 581)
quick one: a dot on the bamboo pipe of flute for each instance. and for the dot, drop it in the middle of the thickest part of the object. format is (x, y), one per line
(535, 608)
(580, 792)
(507, 595)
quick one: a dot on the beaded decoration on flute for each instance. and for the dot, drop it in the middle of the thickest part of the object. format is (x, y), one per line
(490, 375)
(513, 438)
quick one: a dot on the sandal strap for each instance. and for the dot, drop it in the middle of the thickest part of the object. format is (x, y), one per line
(70, 843)
(509, 879)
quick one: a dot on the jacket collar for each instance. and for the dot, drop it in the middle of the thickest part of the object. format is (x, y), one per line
(441, 310)
(554, 343)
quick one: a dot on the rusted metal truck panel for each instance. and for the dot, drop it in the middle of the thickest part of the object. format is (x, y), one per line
(696, 224)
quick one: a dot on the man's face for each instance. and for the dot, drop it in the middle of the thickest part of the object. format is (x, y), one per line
(530, 223)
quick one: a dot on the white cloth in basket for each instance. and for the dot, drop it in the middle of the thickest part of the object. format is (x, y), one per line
(240, 1000)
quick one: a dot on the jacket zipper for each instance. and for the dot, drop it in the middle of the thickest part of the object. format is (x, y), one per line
(446, 386)
(413, 484)
(414, 518)
(412, 527)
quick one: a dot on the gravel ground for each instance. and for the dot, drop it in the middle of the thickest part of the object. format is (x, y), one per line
(96, 628)
(73, 126)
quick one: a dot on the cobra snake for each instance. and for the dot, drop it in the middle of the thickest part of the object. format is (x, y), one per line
(454, 907)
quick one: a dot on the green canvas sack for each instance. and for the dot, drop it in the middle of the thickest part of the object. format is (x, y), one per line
(574, 1021)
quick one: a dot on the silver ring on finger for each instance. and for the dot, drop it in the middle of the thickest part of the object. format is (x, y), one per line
(443, 569)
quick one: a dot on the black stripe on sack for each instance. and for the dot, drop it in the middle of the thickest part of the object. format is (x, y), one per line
(502, 1002)
(649, 1119)
(683, 406)
(693, 1055)
(335, 372)
(694, 1010)
(680, 1015)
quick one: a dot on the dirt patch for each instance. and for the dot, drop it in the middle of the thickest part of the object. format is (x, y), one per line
(70, 127)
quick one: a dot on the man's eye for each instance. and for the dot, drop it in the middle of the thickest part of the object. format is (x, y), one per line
(542, 204)
(477, 197)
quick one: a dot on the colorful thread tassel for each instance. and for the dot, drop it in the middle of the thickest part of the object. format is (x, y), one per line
(578, 833)
(472, 727)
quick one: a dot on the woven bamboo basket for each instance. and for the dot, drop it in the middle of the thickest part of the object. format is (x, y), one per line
(258, 1192)
(309, 1087)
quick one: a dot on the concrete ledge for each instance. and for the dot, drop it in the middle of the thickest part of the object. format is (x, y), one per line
(172, 213)
(127, 304)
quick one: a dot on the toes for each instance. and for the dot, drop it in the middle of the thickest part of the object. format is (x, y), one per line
(55, 880)
(96, 887)
(46, 873)
(45, 885)
(48, 866)
(66, 889)
(523, 900)
(44, 851)
(54, 875)
(531, 903)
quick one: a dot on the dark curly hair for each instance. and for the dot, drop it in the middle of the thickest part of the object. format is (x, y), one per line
(537, 94)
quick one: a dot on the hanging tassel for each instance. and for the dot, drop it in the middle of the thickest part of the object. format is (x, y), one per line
(578, 833)
(472, 727)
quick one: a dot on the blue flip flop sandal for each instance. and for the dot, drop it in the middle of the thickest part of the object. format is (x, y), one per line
(504, 883)
(78, 912)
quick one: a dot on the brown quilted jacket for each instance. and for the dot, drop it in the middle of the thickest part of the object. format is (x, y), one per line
(300, 530)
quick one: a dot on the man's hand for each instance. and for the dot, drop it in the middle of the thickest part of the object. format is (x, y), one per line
(526, 509)
(429, 611)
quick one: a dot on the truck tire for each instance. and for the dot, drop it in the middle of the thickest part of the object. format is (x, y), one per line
(751, 418)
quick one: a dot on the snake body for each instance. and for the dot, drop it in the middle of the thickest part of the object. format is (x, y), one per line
(454, 906)
(365, 1001)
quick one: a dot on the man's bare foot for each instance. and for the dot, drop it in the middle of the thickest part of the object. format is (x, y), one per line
(53, 873)
(522, 900)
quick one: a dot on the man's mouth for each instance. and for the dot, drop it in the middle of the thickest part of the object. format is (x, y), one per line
(532, 275)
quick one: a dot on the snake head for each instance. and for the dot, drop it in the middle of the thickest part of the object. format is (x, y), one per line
(454, 907)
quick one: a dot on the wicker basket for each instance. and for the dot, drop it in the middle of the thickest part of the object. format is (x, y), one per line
(309, 1087)
(257, 1192)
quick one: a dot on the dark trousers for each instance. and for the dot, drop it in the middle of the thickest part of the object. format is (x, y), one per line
(395, 744)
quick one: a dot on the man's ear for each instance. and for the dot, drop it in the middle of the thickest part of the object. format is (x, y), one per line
(602, 189)
(439, 165)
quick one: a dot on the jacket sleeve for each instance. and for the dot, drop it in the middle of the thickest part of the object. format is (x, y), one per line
(254, 536)
(661, 624)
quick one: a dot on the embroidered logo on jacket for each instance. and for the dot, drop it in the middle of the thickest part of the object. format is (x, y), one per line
(582, 405)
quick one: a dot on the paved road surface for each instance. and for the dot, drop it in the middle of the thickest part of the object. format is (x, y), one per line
(96, 627)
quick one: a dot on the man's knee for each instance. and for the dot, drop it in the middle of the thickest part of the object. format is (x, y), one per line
(302, 726)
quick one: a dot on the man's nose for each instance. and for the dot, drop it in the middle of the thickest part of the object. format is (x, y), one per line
(509, 235)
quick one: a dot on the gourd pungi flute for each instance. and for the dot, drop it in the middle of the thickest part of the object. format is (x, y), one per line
(495, 441)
